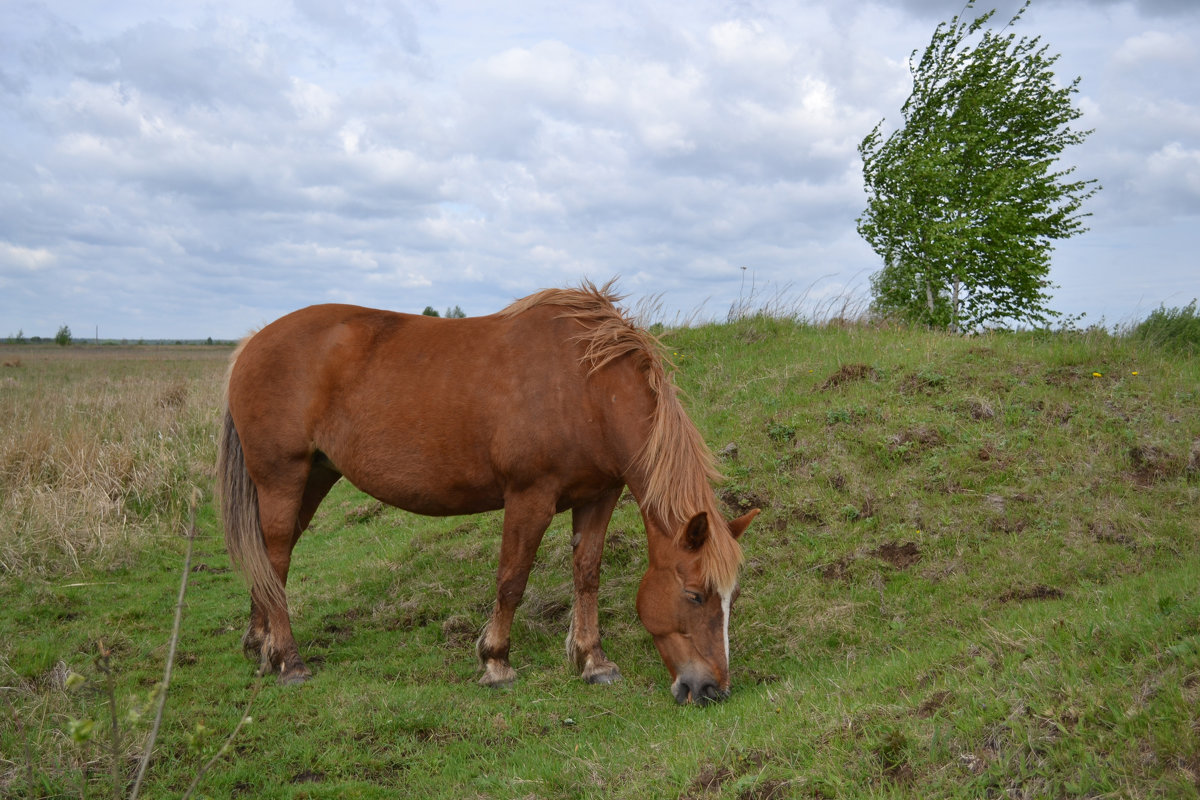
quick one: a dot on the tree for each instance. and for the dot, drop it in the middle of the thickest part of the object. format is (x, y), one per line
(63, 337)
(430, 311)
(966, 198)
(455, 313)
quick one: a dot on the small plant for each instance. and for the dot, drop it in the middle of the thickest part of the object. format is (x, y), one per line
(63, 337)
(781, 432)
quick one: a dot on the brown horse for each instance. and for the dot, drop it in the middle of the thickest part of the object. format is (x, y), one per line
(557, 402)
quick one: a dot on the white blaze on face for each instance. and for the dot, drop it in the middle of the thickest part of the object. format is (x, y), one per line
(726, 599)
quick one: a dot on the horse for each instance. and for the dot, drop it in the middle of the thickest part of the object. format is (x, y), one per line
(557, 402)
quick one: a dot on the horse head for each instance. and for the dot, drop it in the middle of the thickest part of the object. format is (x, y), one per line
(686, 612)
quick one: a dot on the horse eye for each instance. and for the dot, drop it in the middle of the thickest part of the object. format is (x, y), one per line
(695, 597)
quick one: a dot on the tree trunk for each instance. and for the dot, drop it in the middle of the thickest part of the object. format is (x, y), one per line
(954, 307)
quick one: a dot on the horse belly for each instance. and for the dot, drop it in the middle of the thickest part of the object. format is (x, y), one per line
(432, 488)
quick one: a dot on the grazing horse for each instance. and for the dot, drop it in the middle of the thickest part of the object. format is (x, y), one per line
(557, 402)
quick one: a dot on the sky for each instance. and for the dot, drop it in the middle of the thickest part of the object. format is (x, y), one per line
(197, 169)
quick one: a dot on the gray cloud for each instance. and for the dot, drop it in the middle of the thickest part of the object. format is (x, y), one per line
(177, 173)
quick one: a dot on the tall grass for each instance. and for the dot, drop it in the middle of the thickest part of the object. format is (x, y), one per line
(1177, 329)
(99, 454)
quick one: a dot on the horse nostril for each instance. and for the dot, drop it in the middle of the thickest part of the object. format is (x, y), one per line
(709, 693)
(698, 690)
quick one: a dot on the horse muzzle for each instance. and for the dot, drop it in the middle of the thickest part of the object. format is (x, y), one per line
(698, 689)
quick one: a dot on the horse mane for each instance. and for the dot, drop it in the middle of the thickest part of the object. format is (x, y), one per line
(678, 465)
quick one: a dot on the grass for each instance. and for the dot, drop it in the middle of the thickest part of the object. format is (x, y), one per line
(976, 575)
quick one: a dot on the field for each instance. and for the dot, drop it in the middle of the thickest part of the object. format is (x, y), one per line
(977, 574)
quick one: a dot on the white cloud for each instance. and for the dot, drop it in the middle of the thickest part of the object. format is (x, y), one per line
(248, 158)
(1156, 46)
(14, 259)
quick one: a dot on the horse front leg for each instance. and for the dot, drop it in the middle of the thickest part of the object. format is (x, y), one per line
(525, 521)
(589, 524)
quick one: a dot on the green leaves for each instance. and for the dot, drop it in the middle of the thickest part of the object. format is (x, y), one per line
(964, 199)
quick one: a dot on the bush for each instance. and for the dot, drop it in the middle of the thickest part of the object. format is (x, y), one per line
(1176, 329)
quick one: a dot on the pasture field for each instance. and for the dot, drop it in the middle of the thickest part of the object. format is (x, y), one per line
(977, 574)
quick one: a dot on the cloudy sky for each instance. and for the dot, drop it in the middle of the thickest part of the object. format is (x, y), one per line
(193, 169)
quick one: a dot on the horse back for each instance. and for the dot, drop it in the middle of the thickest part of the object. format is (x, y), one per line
(439, 416)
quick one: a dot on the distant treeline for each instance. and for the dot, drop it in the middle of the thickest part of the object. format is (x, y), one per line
(33, 340)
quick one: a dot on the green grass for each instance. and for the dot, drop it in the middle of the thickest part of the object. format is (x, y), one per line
(977, 575)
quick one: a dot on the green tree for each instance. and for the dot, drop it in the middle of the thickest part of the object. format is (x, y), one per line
(455, 313)
(430, 311)
(966, 197)
(63, 337)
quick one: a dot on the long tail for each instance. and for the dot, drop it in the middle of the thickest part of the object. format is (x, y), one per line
(243, 528)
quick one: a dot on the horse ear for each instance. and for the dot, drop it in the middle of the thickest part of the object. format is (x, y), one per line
(738, 526)
(696, 532)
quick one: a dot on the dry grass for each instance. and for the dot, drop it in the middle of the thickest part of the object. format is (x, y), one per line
(98, 453)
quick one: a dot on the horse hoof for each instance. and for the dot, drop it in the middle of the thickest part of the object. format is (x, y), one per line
(292, 680)
(603, 677)
(498, 676)
(294, 677)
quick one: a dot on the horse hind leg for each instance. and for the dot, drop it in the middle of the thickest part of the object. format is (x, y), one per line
(256, 634)
(284, 519)
(589, 524)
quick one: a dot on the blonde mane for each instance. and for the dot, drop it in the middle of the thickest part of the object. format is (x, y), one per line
(679, 467)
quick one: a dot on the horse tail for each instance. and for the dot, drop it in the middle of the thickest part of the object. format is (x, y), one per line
(243, 527)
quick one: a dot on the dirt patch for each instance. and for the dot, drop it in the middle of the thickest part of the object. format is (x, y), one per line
(339, 628)
(458, 630)
(1062, 376)
(892, 753)
(364, 512)
(934, 703)
(922, 437)
(407, 616)
(807, 513)
(1061, 413)
(923, 382)
(980, 410)
(308, 776)
(1036, 592)
(757, 677)
(742, 501)
(1152, 463)
(714, 776)
(837, 570)
(898, 555)
(849, 373)
(439, 735)
(766, 790)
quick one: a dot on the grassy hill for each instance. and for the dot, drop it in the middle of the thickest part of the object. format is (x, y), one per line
(977, 574)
